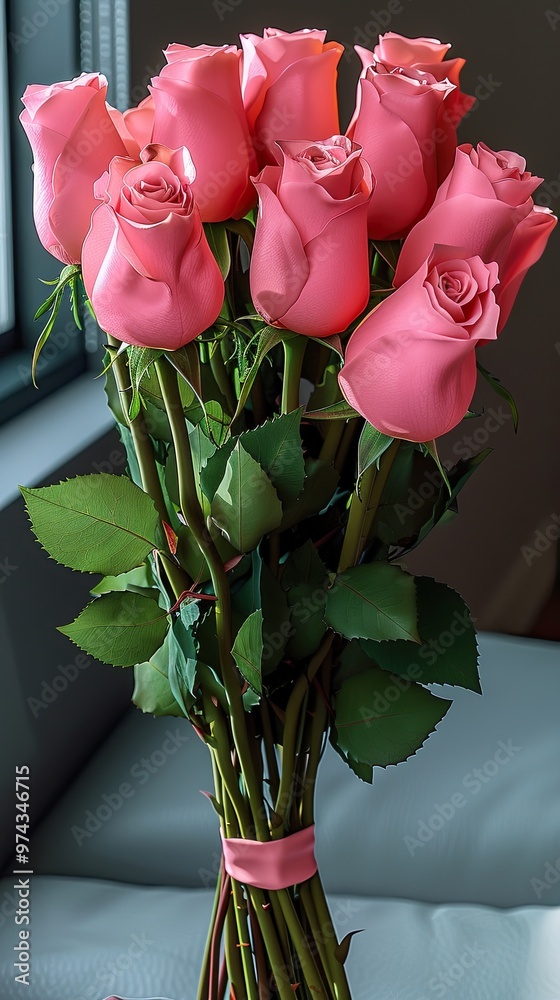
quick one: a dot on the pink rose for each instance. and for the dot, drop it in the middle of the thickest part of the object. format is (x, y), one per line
(428, 55)
(410, 367)
(396, 122)
(197, 103)
(136, 125)
(310, 266)
(73, 139)
(147, 266)
(289, 87)
(485, 205)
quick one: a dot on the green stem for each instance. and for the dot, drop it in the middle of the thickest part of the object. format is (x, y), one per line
(363, 508)
(316, 931)
(331, 441)
(224, 630)
(233, 958)
(219, 371)
(228, 774)
(350, 432)
(143, 447)
(294, 350)
(270, 749)
(315, 745)
(305, 958)
(204, 982)
(240, 907)
(340, 982)
(291, 730)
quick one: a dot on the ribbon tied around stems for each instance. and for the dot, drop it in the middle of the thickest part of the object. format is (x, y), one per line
(272, 864)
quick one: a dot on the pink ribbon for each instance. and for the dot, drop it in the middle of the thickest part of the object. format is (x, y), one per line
(274, 864)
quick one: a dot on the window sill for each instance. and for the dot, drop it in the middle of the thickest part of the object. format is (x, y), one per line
(53, 431)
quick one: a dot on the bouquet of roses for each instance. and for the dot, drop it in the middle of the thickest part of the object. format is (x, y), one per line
(293, 317)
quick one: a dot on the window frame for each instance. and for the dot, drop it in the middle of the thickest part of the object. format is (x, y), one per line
(50, 40)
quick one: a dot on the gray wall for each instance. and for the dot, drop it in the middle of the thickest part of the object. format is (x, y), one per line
(512, 52)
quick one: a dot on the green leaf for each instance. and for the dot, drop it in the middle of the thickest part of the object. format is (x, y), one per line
(137, 580)
(262, 591)
(217, 422)
(276, 446)
(247, 650)
(182, 666)
(502, 391)
(305, 579)
(218, 242)
(246, 505)
(68, 277)
(243, 228)
(268, 338)
(186, 361)
(202, 447)
(379, 721)
(140, 359)
(97, 524)
(338, 411)
(121, 629)
(431, 448)
(45, 334)
(152, 690)
(321, 481)
(448, 653)
(371, 446)
(389, 250)
(214, 471)
(373, 601)
(353, 660)
(415, 498)
(113, 397)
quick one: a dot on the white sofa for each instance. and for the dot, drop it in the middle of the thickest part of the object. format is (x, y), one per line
(450, 862)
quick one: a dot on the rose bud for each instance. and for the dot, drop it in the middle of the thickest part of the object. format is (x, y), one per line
(197, 102)
(485, 205)
(310, 265)
(395, 121)
(73, 139)
(410, 367)
(147, 266)
(289, 87)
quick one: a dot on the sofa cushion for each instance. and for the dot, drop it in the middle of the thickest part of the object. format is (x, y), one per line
(92, 938)
(473, 817)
